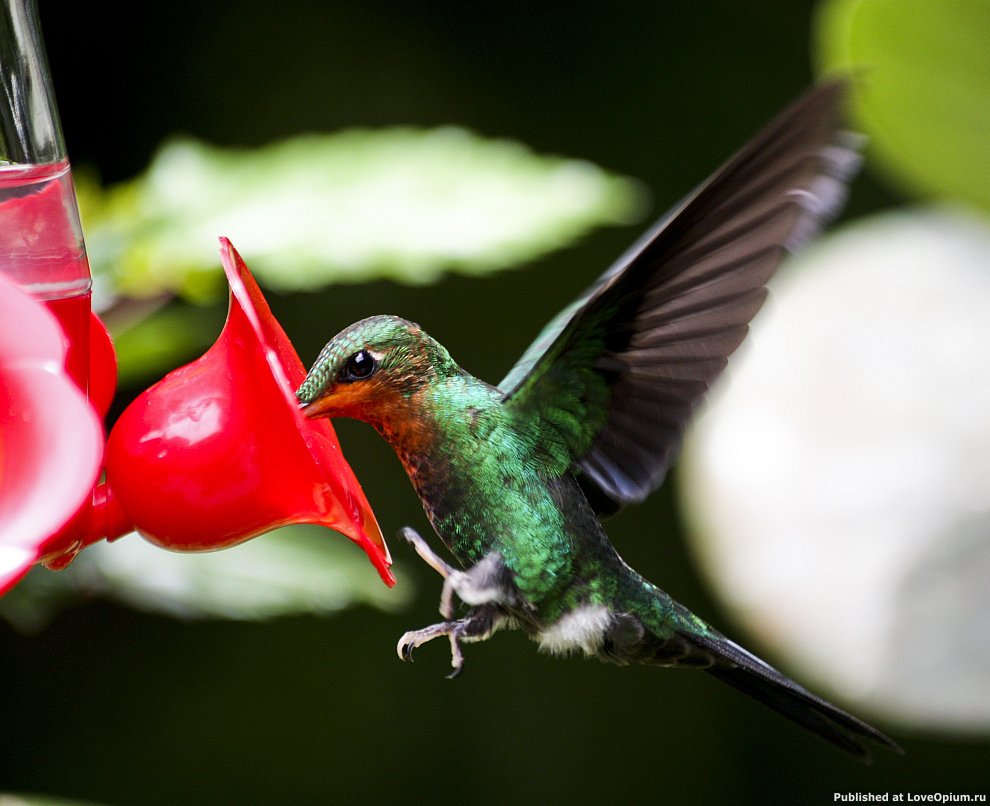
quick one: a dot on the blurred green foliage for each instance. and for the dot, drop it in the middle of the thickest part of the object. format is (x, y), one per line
(306, 212)
(315, 210)
(922, 71)
(297, 569)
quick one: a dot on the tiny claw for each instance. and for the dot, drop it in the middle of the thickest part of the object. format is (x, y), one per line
(405, 648)
(414, 638)
(456, 656)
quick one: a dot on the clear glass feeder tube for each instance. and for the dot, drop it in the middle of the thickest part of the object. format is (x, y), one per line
(41, 241)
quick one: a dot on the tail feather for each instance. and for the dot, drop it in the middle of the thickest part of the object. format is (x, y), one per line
(750, 675)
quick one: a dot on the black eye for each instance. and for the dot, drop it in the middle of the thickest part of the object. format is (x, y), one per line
(359, 366)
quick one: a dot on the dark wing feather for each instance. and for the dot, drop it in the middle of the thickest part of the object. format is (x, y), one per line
(608, 387)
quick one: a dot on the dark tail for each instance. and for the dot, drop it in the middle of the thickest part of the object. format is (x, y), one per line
(762, 682)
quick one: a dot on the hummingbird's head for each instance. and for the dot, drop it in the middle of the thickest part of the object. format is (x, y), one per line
(373, 370)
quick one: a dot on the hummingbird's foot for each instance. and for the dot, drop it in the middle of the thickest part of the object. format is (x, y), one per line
(481, 584)
(478, 625)
(413, 639)
(416, 638)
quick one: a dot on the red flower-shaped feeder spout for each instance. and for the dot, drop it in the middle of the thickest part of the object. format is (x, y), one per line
(215, 453)
(218, 451)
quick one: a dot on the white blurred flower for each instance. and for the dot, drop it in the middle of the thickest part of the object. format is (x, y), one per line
(839, 481)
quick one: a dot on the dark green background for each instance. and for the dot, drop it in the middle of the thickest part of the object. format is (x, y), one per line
(127, 708)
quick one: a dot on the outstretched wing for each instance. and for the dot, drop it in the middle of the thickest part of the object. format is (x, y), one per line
(608, 387)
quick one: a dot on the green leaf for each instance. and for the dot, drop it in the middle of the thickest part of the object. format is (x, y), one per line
(296, 569)
(922, 72)
(399, 203)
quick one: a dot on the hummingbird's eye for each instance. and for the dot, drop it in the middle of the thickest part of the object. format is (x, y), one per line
(359, 366)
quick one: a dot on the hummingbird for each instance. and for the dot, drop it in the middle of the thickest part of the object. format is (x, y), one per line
(515, 479)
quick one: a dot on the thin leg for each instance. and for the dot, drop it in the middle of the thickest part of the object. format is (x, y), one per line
(432, 559)
(413, 538)
(482, 583)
